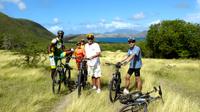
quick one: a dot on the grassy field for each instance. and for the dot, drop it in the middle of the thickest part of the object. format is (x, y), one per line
(29, 89)
(24, 89)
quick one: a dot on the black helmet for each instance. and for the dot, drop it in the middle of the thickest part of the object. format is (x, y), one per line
(60, 32)
(131, 40)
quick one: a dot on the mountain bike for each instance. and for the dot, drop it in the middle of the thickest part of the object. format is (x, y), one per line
(61, 75)
(114, 86)
(82, 75)
(138, 101)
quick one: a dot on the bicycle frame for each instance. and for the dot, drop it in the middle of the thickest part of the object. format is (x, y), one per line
(139, 100)
(82, 76)
(114, 86)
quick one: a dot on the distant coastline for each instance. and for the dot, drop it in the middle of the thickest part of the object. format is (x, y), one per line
(117, 39)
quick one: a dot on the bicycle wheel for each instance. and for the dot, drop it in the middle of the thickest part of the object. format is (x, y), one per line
(68, 72)
(67, 75)
(132, 108)
(113, 90)
(56, 85)
(79, 84)
(84, 78)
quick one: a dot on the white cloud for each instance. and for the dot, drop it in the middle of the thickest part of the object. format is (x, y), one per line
(198, 2)
(154, 22)
(55, 28)
(139, 16)
(21, 5)
(195, 17)
(109, 26)
(56, 20)
(117, 19)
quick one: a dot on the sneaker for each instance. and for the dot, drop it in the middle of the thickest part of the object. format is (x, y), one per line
(126, 91)
(94, 87)
(98, 90)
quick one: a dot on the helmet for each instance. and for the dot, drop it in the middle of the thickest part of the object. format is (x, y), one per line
(60, 32)
(90, 36)
(131, 40)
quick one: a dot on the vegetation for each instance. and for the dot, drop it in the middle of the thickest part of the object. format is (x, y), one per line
(174, 39)
(179, 81)
(30, 89)
(24, 36)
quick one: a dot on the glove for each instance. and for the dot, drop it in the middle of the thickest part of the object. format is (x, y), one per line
(72, 49)
(118, 64)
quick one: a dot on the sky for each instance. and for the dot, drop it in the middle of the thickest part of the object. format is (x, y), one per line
(99, 16)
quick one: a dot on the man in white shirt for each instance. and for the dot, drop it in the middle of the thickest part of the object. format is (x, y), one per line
(92, 51)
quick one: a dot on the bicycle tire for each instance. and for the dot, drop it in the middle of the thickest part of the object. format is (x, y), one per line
(68, 73)
(132, 108)
(113, 90)
(56, 83)
(79, 85)
(84, 78)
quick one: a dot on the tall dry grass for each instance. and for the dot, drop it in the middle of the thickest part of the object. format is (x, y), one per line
(178, 78)
(24, 89)
(29, 89)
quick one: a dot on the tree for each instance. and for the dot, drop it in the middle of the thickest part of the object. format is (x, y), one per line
(174, 39)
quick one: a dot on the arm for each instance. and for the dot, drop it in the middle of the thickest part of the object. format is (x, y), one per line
(98, 52)
(50, 48)
(97, 55)
(136, 51)
(124, 59)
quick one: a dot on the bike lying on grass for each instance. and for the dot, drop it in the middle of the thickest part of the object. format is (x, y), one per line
(114, 86)
(138, 101)
(61, 75)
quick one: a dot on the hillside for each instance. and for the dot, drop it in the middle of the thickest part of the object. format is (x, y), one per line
(20, 32)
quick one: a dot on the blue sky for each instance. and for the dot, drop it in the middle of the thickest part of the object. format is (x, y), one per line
(84, 16)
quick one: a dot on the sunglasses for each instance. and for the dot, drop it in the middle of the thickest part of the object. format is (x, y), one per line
(89, 38)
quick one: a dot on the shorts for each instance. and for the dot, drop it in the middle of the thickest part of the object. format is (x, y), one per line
(94, 71)
(136, 70)
(53, 60)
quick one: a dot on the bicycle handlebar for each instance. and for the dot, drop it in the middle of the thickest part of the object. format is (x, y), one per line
(116, 65)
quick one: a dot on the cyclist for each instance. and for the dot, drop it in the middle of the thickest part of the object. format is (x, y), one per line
(134, 57)
(57, 49)
(79, 53)
(92, 51)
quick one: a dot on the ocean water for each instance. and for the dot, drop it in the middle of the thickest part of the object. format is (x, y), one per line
(116, 40)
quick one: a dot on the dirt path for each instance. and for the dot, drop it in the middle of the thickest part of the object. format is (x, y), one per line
(62, 105)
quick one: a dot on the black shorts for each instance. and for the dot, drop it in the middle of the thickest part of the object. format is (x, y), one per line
(136, 70)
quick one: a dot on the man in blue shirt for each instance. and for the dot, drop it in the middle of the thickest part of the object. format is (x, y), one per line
(134, 57)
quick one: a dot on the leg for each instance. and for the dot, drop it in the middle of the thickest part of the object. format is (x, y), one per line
(135, 85)
(98, 83)
(127, 77)
(139, 83)
(127, 81)
(138, 79)
(53, 73)
(93, 81)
